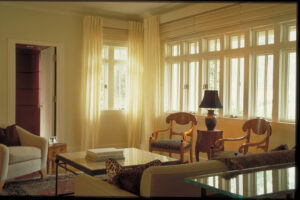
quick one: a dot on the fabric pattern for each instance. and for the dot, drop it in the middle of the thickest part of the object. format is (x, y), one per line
(9, 136)
(261, 159)
(169, 144)
(281, 147)
(127, 178)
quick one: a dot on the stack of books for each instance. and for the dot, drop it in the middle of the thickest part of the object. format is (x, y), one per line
(103, 154)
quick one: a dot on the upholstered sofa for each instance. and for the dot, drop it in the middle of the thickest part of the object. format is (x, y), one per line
(29, 157)
(168, 180)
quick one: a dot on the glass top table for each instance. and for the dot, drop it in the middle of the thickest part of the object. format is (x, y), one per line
(257, 182)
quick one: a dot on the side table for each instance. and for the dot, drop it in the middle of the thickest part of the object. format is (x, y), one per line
(205, 139)
(53, 150)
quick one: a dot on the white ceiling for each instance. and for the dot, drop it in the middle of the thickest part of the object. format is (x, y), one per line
(118, 10)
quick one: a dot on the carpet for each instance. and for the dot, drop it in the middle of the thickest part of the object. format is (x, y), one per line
(41, 187)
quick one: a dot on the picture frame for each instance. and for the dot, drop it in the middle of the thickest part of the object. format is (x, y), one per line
(52, 140)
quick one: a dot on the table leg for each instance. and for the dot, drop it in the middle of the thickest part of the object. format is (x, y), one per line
(197, 154)
(56, 177)
(203, 192)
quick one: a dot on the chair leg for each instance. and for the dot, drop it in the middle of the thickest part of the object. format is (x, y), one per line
(1, 185)
(170, 154)
(191, 155)
(43, 173)
(182, 156)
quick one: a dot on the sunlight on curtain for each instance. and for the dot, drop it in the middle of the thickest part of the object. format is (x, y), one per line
(152, 79)
(91, 71)
(134, 109)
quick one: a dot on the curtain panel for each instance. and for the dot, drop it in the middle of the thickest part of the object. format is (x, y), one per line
(90, 80)
(152, 79)
(134, 112)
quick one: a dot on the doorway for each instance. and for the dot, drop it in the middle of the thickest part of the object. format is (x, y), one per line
(36, 89)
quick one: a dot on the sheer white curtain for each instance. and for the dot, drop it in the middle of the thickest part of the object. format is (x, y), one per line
(135, 83)
(152, 79)
(90, 82)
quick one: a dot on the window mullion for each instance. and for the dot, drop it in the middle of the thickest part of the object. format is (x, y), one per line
(265, 85)
(111, 78)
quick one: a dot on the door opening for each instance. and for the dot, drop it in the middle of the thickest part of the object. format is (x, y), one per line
(36, 89)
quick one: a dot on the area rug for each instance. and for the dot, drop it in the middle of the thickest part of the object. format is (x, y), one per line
(41, 187)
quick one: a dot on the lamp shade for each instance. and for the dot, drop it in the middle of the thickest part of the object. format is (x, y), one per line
(211, 100)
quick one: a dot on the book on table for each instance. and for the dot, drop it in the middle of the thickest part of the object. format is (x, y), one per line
(102, 154)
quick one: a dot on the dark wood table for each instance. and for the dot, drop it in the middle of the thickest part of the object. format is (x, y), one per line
(205, 139)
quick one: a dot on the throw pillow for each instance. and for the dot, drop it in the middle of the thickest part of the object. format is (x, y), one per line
(261, 159)
(9, 136)
(127, 178)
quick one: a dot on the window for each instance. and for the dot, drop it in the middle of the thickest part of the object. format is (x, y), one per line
(214, 45)
(263, 86)
(292, 33)
(114, 77)
(234, 88)
(237, 41)
(288, 87)
(265, 37)
(244, 62)
(181, 77)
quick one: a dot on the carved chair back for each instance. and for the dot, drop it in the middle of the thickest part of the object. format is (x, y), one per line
(260, 127)
(181, 118)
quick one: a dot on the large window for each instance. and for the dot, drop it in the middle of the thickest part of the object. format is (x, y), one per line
(254, 70)
(114, 77)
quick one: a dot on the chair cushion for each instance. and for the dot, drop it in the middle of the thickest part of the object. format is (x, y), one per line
(169, 144)
(9, 136)
(128, 178)
(23, 153)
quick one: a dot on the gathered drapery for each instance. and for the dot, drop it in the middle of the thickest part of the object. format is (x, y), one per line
(90, 80)
(152, 78)
(134, 111)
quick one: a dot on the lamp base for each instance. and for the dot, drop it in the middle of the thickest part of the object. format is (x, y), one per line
(210, 120)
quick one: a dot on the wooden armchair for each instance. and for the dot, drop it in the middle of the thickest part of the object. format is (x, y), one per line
(172, 145)
(256, 126)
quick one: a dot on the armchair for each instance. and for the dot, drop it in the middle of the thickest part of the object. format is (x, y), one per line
(256, 126)
(172, 145)
(30, 157)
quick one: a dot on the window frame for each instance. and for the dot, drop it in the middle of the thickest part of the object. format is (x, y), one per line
(109, 100)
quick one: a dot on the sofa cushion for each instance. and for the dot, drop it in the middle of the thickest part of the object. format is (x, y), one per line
(9, 136)
(23, 153)
(127, 178)
(169, 144)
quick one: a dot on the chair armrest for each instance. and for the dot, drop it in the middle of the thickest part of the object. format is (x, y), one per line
(219, 144)
(244, 146)
(86, 185)
(29, 139)
(4, 160)
(155, 133)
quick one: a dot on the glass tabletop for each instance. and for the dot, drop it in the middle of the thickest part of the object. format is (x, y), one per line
(250, 183)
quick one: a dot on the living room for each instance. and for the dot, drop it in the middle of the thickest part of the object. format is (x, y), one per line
(181, 26)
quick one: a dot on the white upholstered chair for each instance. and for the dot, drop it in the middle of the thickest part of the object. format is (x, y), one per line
(30, 157)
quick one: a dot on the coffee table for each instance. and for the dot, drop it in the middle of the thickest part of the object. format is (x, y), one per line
(132, 157)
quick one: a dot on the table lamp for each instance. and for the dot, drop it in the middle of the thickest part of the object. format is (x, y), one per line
(211, 100)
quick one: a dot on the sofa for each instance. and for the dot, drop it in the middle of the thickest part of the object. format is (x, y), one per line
(30, 156)
(168, 180)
